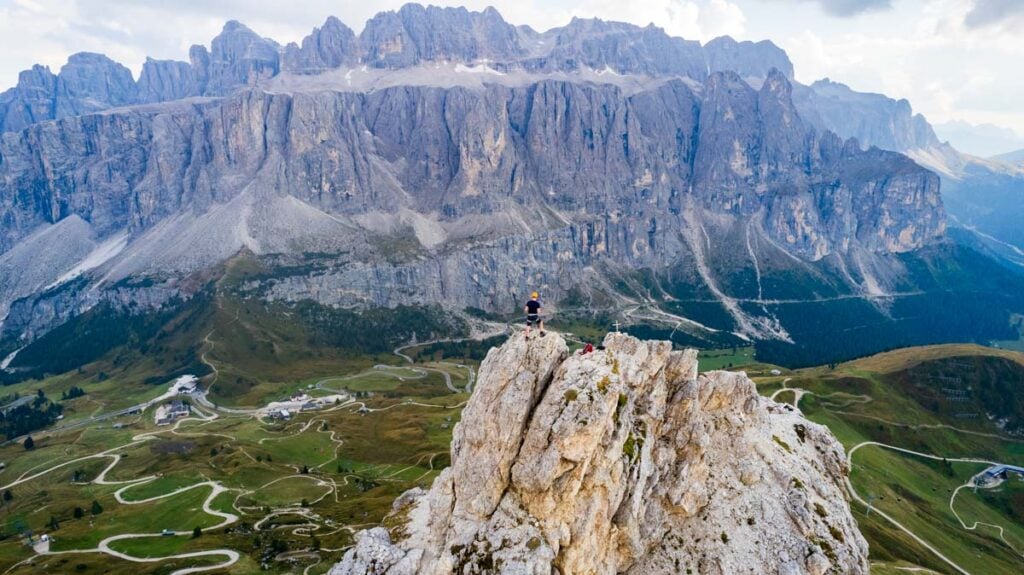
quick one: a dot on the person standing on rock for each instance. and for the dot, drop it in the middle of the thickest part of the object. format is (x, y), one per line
(532, 310)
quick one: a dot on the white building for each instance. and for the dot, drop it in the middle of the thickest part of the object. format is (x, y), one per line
(281, 414)
(169, 412)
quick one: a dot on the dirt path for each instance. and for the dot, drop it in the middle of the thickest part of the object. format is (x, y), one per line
(475, 337)
(784, 388)
(929, 426)
(230, 556)
(976, 524)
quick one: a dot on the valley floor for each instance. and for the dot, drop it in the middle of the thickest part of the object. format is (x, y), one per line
(231, 489)
(264, 494)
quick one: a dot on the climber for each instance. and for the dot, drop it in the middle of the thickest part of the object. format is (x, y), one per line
(532, 309)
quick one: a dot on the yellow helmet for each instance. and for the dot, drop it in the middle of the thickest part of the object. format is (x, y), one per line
(535, 295)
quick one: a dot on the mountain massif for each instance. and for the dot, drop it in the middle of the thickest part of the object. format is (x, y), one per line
(446, 156)
(414, 35)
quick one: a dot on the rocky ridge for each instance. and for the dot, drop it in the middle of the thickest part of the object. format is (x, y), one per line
(624, 460)
(240, 58)
(416, 35)
(415, 181)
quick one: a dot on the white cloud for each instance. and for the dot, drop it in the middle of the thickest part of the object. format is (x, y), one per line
(1008, 14)
(722, 18)
(846, 8)
(947, 70)
(691, 19)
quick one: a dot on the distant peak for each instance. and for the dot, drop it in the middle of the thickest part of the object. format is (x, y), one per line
(777, 84)
(88, 57)
(38, 69)
(777, 75)
(234, 26)
(333, 24)
(412, 7)
(92, 61)
(722, 40)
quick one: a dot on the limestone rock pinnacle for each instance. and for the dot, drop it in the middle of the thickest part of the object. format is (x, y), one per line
(624, 460)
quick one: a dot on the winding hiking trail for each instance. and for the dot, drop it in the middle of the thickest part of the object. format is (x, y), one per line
(929, 426)
(210, 413)
(799, 393)
(216, 488)
(974, 526)
(470, 378)
(889, 518)
(231, 556)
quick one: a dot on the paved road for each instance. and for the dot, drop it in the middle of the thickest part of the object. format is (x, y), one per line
(447, 380)
(199, 397)
(231, 556)
(897, 524)
(17, 403)
(106, 416)
(856, 497)
(478, 337)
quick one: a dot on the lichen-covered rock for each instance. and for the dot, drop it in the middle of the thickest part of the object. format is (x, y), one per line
(624, 460)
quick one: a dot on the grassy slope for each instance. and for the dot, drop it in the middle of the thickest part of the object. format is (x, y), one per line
(382, 454)
(862, 401)
(261, 356)
(896, 360)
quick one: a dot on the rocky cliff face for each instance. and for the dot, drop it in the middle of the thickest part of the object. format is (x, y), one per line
(624, 460)
(331, 46)
(163, 80)
(983, 197)
(751, 60)
(418, 183)
(413, 36)
(91, 82)
(238, 57)
(873, 119)
(87, 83)
(458, 153)
(449, 154)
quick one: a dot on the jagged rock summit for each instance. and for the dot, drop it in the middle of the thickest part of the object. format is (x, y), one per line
(624, 460)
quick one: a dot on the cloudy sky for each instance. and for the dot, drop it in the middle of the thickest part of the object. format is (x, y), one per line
(953, 59)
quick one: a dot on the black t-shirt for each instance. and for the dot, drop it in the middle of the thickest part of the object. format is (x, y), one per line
(532, 307)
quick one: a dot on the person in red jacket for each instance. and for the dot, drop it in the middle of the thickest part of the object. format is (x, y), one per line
(532, 310)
